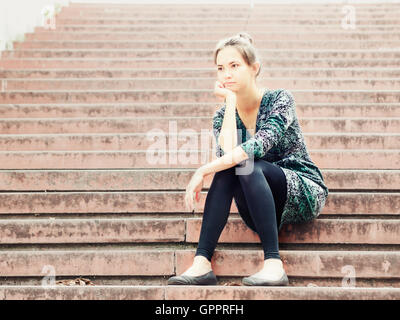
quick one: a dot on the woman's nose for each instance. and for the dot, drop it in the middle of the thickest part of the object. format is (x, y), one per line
(227, 75)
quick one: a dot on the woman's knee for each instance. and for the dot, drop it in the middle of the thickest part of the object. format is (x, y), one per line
(252, 173)
(224, 177)
(260, 167)
(224, 173)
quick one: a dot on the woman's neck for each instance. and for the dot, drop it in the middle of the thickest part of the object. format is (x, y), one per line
(249, 101)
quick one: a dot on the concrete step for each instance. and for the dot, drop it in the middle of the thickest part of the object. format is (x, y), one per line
(189, 95)
(115, 230)
(170, 179)
(182, 158)
(280, 293)
(273, 73)
(223, 281)
(318, 20)
(270, 44)
(184, 8)
(20, 203)
(184, 36)
(371, 264)
(260, 10)
(252, 28)
(187, 230)
(140, 292)
(319, 231)
(235, 8)
(161, 126)
(195, 62)
(178, 109)
(168, 262)
(200, 53)
(140, 141)
(184, 83)
(195, 15)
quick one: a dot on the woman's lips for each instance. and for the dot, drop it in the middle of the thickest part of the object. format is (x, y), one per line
(229, 83)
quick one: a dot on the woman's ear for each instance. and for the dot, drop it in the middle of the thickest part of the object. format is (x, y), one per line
(256, 66)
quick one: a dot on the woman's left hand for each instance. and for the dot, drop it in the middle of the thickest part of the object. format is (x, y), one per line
(195, 185)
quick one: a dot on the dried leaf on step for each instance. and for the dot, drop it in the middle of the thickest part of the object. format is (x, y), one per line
(75, 282)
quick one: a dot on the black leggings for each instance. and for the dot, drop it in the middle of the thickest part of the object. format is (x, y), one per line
(260, 195)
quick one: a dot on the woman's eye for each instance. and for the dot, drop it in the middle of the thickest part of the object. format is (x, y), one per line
(232, 65)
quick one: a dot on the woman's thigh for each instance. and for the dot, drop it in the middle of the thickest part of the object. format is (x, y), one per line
(277, 181)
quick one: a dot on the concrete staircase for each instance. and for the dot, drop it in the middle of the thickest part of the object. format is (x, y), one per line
(80, 197)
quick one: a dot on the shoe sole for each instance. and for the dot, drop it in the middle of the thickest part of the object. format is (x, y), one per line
(209, 279)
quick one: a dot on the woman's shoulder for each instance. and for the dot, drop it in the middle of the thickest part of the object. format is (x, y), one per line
(220, 111)
(278, 99)
(281, 93)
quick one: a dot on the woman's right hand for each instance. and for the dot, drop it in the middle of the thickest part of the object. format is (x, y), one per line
(222, 92)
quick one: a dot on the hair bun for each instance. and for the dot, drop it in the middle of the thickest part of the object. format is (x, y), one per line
(246, 36)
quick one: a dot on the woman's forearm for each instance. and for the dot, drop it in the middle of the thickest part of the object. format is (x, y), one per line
(228, 134)
(228, 160)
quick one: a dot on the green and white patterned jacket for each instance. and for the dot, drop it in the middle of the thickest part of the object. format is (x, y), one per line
(278, 139)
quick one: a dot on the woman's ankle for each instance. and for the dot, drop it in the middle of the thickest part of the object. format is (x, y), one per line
(273, 261)
(201, 261)
(199, 267)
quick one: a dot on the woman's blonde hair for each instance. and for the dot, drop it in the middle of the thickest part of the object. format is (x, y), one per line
(243, 42)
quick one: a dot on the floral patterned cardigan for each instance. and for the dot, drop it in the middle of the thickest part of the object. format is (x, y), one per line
(278, 139)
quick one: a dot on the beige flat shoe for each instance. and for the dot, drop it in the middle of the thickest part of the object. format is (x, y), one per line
(208, 279)
(254, 281)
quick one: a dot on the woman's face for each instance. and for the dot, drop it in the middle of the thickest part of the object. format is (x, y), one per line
(232, 68)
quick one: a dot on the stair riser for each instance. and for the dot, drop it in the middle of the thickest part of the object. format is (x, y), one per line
(126, 142)
(122, 110)
(194, 96)
(131, 179)
(323, 264)
(194, 293)
(116, 231)
(269, 74)
(260, 13)
(337, 159)
(136, 202)
(226, 29)
(277, 44)
(202, 127)
(46, 85)
(199, 54)
(55, 35)
(211, 20)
